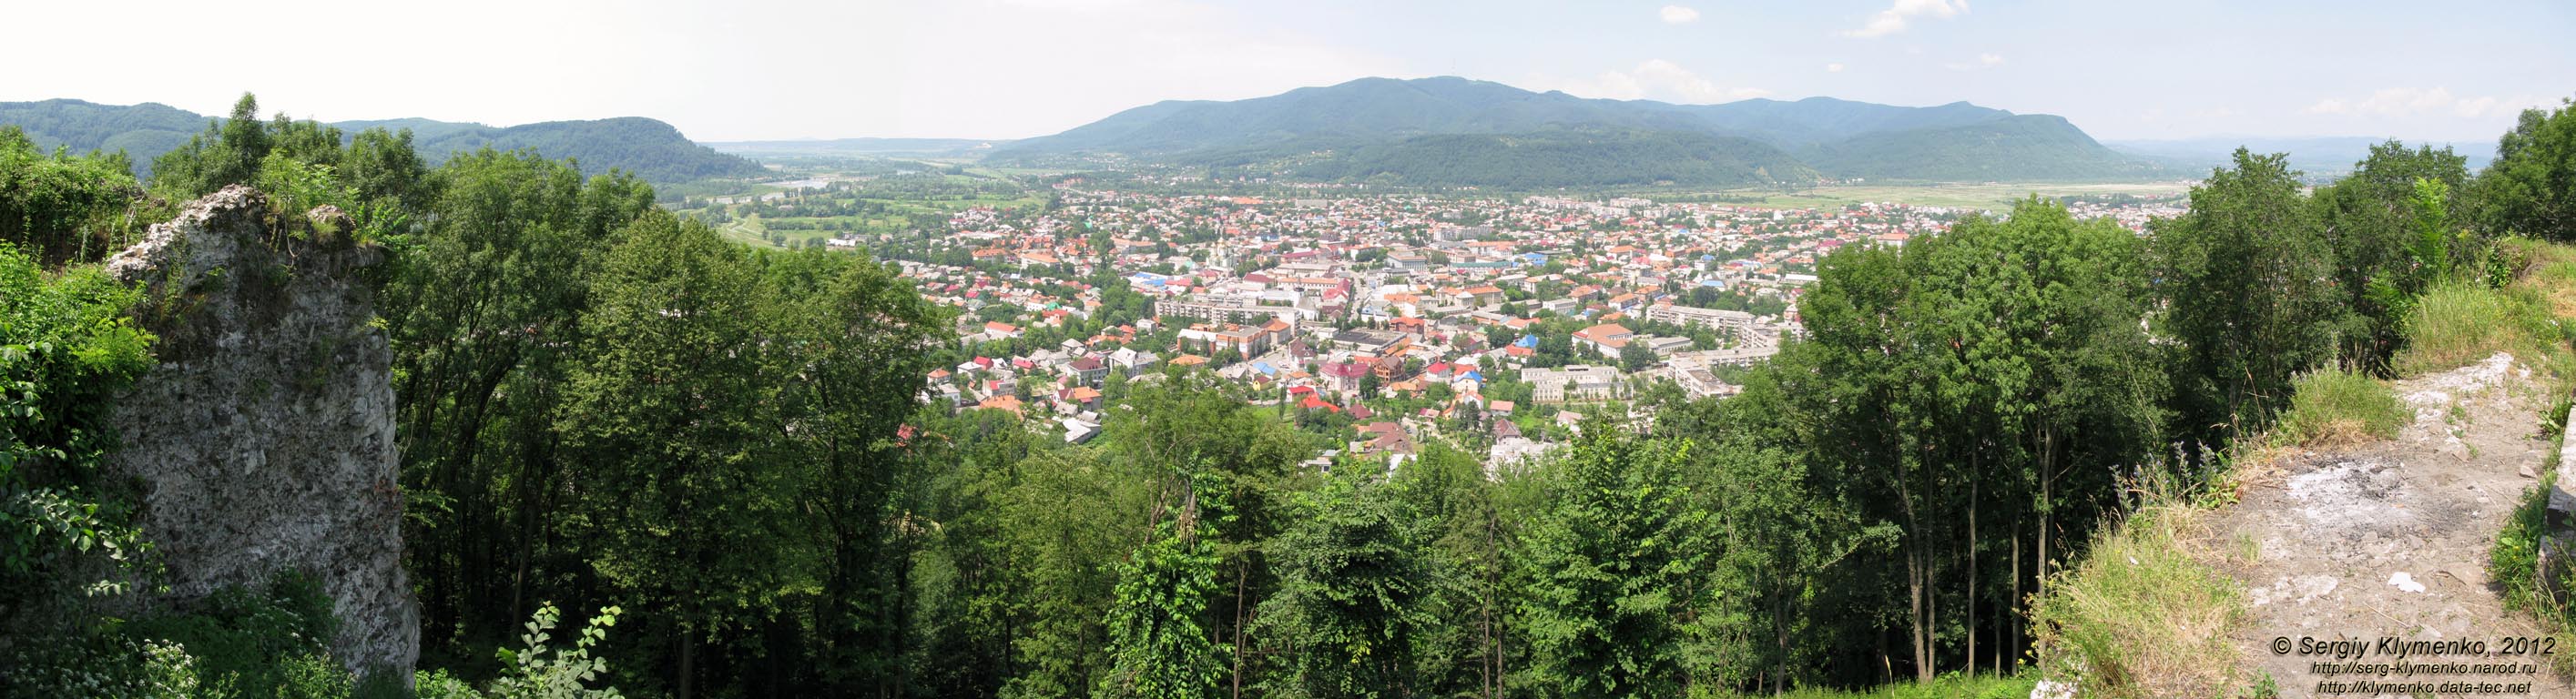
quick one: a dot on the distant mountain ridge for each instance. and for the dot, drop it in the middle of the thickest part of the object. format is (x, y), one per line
(649, 148)
(1383, 128)
(931, 147)
(2315, 155)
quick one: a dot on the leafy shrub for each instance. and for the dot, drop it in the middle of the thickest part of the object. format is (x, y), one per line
(2341, 407)
(542, 673)
(2514, 564)
(271, 642)
(100, 665)
(66, 347)
(438, 684)
(61, 208)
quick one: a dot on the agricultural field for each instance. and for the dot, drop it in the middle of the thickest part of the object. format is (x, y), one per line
(865, 197)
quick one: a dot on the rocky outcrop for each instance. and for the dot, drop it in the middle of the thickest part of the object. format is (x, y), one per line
(264, 439)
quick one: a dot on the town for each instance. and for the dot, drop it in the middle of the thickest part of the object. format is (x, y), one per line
(1500, 324)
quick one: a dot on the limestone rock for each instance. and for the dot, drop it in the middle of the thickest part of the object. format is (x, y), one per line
(264, 439)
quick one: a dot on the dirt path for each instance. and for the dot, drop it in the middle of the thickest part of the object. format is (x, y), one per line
(2390, 539)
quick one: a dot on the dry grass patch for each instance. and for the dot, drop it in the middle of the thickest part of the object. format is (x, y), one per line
(2334, 407)
(2143, 615)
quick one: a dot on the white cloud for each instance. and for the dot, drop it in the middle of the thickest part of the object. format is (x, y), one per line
(1895, 18)
(1833, 67)
(2409, 101)
(1658, 79)
(1984, 60)
(1676, 14)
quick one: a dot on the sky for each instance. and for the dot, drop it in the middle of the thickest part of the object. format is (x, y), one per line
(2458, 70)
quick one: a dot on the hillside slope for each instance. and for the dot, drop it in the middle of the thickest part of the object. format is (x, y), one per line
(142, 130)
(1370, 127)
(2027, 146)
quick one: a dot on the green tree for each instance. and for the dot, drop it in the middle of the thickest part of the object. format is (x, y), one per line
(384, 166)
(484, 311)
(1470, 522)
(1066, 523)
(1352, 583)
(2369, 218)
(2248, 279)
(1160, 646)
(1618, 561)
(847, 366)
(2003, 355)
(665, 417)
(1192, 423)
(2530, 189)
(227, 153)
(1635, 357)
(60, 209)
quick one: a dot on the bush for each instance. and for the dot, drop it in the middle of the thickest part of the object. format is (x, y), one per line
(100, 665)
(2341, 407)
(437, 684)
(2140, 616)
(66, 348)
(540, 672)
(264, 643)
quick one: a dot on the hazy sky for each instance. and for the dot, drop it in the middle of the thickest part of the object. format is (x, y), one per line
(2458, 69)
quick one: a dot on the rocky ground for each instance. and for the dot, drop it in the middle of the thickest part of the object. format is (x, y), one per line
(2390, 538)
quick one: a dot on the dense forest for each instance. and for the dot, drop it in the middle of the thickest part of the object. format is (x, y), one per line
(715, 462)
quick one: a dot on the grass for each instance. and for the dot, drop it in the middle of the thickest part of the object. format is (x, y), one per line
(2527, 315)
(2142, 615)
(2459, 322)
(2334, 407)
(2514, 565)
(2456, 324)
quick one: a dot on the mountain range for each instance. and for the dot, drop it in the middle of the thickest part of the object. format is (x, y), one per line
(648, 148)
(1457, 131)
(2314, 155)
(1427, 132)
(912, 147)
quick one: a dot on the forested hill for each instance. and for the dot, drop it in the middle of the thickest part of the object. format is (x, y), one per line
(1382, 129)
(2022, 146)
(649, 148)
